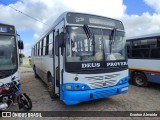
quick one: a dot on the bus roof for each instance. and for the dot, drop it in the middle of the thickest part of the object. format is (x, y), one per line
(7, 29)
(63, 16)
(5, 24)
(144, 36)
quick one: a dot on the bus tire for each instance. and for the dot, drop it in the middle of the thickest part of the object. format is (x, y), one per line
(139, 79)
(51, 87)
(35, 73)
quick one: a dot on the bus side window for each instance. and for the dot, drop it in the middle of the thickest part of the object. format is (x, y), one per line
(51, 43)
(38, 48)
(56, 45)
(44, 46)
(47, 44)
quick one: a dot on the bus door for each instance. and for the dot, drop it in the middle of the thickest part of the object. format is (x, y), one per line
(58, 60)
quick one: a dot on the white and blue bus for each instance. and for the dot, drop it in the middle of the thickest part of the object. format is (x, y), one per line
(82, 57)
(9, 53)
(143, 59)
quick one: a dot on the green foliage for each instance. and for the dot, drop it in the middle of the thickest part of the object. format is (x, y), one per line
(21, 55)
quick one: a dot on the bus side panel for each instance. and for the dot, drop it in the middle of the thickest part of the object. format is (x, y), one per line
(47, 66)
(37, 63)
(147, 66)
(153, 77)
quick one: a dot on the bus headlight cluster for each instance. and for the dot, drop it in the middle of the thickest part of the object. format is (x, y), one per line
(82, 87)
(121, 81)
(76, 86)
(124, 80)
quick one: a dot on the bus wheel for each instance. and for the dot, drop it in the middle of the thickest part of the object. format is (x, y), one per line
(140, 80)
(50, 87)
(35, 73)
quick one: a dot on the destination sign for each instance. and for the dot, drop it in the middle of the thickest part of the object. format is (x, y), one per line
(7, 29)
(101, 21)
(79, 18)
(3, 29)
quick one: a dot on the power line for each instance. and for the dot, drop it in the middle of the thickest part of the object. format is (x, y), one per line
(24, 13)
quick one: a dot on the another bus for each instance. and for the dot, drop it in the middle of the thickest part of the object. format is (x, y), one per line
(143, 59)
(9, 53)
(82, 57)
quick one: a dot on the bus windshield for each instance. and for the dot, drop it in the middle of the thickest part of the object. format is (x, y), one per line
(104, 46)
(8, 54)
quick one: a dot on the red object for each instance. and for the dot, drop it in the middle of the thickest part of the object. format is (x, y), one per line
(5, 90)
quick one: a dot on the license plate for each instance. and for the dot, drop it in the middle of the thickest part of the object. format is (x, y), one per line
(124, 89)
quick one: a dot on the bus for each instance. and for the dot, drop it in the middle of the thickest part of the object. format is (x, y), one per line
(143, 59)
(82, 57)
(10, 44)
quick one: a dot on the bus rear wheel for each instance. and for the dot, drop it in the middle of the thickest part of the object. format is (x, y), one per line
(140, 79)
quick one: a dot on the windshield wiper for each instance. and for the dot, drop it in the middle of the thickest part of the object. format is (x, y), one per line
(90, 36)
(112, 38)
(88, 32)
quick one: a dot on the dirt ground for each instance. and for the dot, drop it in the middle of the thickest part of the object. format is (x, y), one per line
(137, 99)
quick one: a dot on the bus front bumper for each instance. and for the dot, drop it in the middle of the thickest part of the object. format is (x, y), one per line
(75, 97)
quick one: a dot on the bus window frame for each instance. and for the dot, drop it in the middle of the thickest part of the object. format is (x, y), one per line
(150, 48)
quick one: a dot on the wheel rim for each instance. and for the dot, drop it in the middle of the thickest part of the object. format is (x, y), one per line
(139, 80)
(25, 103)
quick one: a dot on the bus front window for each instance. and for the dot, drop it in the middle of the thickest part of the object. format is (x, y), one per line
(103, 47)
(114, 46)
(79, 48)
(8, 58)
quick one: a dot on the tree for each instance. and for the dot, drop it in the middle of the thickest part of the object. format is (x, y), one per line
(21, 55)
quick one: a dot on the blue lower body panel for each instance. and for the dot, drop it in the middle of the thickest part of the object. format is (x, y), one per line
(75, 97)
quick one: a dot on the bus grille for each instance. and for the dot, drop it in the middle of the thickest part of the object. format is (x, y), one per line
(103, 84)
(102, 77)
(102, 81)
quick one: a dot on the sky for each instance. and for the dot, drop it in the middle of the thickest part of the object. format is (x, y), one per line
(138, 16)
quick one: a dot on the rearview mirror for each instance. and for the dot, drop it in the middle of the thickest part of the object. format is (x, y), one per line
(20, 44)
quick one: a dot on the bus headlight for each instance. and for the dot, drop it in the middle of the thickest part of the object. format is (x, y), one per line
(76, 86)
(121, 81)
(83, 87)
(68, 87)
